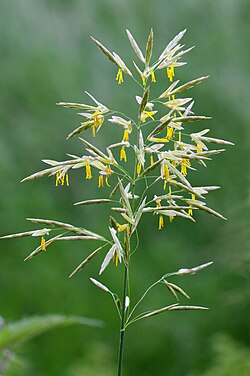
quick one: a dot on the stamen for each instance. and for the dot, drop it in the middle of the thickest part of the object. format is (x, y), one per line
(184, 164)
(170, 133)
(107, 181)
(183, 169)
(170, 72)
(119, 77)
(158, 204)
(88, 171)
(93, 129)
(147, 114)
(138, 168)
(108, 171)
(166, 172)
(67, 180)
(100, 181)
(116, 259)
(199, 149)
(153, 79)
(161, 222)
(123, 155)
(43, 244)
(62, 179)
(125, 135)
(171, 218)
(57, 179)
(96, 121)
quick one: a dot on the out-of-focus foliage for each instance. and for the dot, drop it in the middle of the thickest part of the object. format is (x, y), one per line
(97, 361)
(19, 332)
(230, 358)
(12, 365)
(47, 56)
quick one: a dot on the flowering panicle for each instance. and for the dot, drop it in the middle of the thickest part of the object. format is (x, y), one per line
(164, 150)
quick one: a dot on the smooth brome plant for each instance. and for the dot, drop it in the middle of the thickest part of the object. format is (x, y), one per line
(146, 170)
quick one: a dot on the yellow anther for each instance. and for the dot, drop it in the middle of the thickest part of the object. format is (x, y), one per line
(61, 177)
(147, 114)
(170, 72)
(57, 179)
(107, 181)
(108, 174)
(153, 79)
(138, 169)
(108, 170)
(123, 155)
(161, 222)
(150, 114)
(171, 218)
(170, 133)
(190, 211)
(121, 228)
(199, 149)
(158, 204)
(93, 129)
(183, 169)
(165, 172)
(165, 176)
(88, 171)
(119, 77)
(184, 164)
(96, 120)
(43, 244)
(100, 181)
(151, 159)
(116, 259)
(67, 179)
(125, 135)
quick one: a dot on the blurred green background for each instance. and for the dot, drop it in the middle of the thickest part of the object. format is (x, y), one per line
(47, 56)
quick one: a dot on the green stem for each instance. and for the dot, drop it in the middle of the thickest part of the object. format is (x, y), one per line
(122, 328)
(126, 282)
